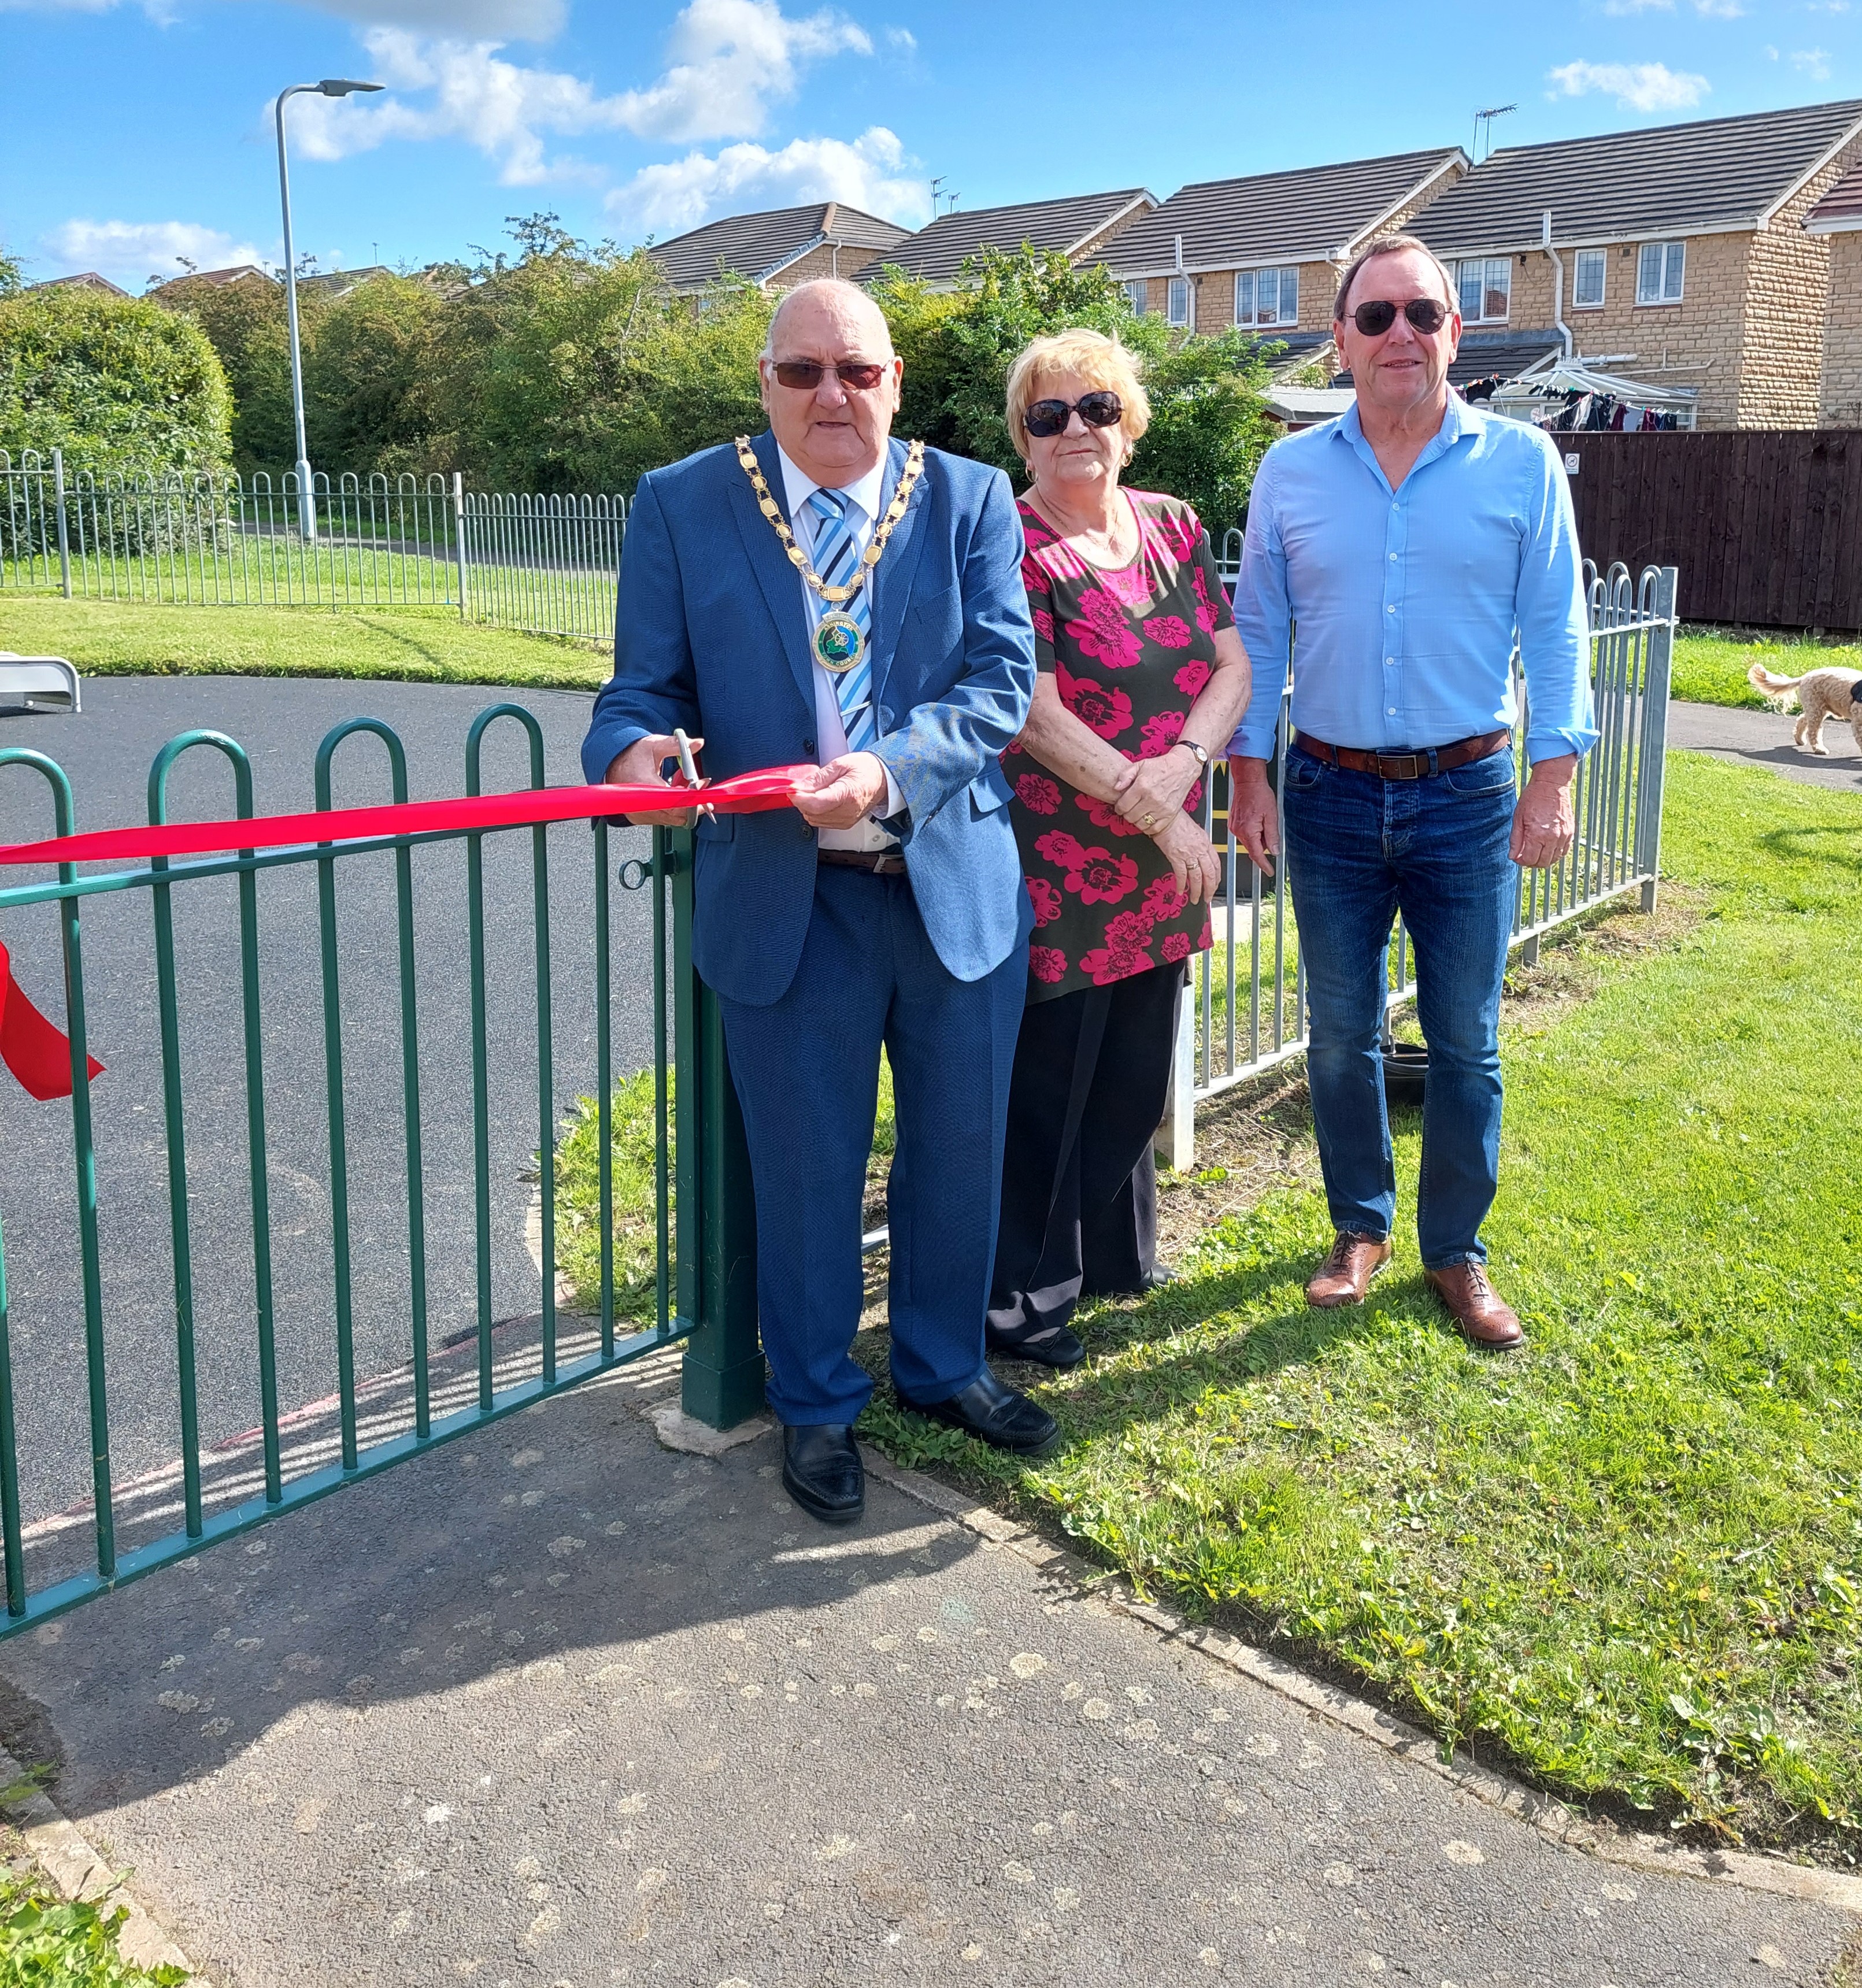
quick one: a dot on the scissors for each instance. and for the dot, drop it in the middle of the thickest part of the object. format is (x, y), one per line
(688, 765)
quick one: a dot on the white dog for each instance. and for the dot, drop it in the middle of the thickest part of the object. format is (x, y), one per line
(1823, 694)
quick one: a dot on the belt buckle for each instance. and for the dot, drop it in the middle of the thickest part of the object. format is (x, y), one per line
(1386, 761)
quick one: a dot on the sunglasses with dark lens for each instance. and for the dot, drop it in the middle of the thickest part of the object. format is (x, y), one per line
(806, 374)
(1050, 417)
(1375, 318)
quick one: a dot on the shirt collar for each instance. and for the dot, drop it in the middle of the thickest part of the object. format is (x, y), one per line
(1459, 418)
(798, 486)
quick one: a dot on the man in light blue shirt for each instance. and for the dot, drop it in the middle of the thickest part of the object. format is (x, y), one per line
(1409, 544)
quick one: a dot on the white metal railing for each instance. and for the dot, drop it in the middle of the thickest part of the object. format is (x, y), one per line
(1246, 1011)
(541, 564)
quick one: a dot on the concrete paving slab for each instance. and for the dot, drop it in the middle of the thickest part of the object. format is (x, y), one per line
(551, 1706)
(1763, 739)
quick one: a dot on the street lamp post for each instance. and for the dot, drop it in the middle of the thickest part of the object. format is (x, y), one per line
(331, 85)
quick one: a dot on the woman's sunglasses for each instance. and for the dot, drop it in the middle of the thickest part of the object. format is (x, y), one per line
(1050, 417)
(806, 374)
(1375, 318)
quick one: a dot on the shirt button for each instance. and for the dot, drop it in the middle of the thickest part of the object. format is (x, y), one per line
(1389, 662)
(1389, 610)
(1393, 559)
(1392, 711)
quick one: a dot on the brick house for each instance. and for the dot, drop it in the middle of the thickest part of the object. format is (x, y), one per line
(1078, 229)
(1680, 254)
(778, 249)
(1266, 251)
(1838, 218)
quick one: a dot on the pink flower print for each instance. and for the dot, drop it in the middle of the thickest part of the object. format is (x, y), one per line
(1176, 946)
(1170, 631)
(1099, 877)
(1163, 899)
(1108, 712)
(1048, 902)
(1103, 631)
(1047, 963)
(1205, 608)
(1192, 801)
(1060, 849)
(1104, 815)
(1125, 930)
(1206, 937)
(1044, 624)
(1191, 677)
(1130, 586)
(1161, 733)
(1038, 793)
(1175, 533)
(1119, 957)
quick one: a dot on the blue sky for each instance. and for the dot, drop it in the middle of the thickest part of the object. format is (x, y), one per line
(138, 131)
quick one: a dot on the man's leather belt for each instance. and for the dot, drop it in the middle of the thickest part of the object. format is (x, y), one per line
(875, 862)
(1407, 765)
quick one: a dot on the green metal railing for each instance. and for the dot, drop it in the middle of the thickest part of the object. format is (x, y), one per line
(703, 1291)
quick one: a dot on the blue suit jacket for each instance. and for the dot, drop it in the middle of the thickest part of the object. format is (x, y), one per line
(712, 634)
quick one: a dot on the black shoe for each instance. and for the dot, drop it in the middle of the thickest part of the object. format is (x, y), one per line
(822, 1472)
(1051, 1345)
(995, 1415)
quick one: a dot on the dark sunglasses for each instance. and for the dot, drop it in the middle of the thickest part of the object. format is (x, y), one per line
(1050, 417)
(1375, 318)
(806, 374)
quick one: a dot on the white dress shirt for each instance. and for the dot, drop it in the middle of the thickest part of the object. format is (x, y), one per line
(830, 733)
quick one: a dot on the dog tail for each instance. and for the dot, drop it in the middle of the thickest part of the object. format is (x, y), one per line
(1777, 691)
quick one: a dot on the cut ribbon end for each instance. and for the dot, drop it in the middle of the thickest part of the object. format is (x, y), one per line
(37, 1052)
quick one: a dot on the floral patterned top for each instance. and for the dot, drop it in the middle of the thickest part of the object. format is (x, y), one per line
(1132, 649)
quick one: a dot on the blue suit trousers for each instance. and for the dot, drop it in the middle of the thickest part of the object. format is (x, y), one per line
(806, 1070)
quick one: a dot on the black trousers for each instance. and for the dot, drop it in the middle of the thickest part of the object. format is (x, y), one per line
(1080, 1187)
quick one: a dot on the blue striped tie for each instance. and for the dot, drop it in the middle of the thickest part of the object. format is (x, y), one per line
(836, 560)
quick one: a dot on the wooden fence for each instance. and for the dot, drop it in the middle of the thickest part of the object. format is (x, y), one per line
(1766, 525)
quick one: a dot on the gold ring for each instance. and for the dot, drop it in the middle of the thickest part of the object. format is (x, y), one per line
(1149, 819)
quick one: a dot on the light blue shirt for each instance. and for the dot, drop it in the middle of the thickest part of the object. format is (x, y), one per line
(1408, 602)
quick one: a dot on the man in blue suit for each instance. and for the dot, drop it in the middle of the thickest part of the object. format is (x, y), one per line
(824, 595)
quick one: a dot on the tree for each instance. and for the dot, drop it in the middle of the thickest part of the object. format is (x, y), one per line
(246, 322)
(375, 377)
(12, 280)
(117, 383)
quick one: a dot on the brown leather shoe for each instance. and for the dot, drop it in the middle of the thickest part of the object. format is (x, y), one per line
(1485, 1319)
(1345, 1276)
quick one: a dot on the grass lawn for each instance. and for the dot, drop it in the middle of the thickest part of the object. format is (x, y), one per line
(1710, 668)
(1630, 1560)
(421, 645)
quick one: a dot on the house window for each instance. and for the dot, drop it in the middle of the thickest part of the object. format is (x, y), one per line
(1267, 296)
(1138, 290)
(1587, 278)
(1659, 268)
(1486, 288)
(1177, 310)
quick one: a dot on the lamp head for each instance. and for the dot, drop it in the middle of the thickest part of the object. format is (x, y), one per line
(338, 86)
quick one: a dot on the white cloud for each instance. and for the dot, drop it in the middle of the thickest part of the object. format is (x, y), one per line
(1814, 62)
(132, 251)
(730, 60)
(1718, 10)
(903, 39)
(1645, 86)
(872, 173)
(728, 57)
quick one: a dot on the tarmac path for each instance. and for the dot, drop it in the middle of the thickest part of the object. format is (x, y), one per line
(550, 1707)
(106, 752)
(1763, 739)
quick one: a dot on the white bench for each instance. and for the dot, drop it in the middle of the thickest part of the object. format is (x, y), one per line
(41, 683)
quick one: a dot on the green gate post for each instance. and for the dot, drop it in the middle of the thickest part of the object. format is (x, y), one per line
(721, 1383)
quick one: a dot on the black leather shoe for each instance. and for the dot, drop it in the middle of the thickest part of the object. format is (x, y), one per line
(1048, 1345)
(822, 1472)
(995, 1414)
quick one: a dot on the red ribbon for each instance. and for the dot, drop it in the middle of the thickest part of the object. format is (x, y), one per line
(39, 1055)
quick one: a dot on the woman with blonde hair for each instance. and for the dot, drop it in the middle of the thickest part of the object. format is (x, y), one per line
(1142, 679)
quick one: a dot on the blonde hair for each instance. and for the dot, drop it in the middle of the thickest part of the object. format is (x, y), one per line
(1090, 355)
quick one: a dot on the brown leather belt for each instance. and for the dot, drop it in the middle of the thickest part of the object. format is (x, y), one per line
(875, 862)
(1407, 765)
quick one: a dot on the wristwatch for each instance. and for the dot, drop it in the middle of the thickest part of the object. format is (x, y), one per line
(1201, 753)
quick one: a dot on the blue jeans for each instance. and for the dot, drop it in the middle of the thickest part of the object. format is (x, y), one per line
(1358, 850)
